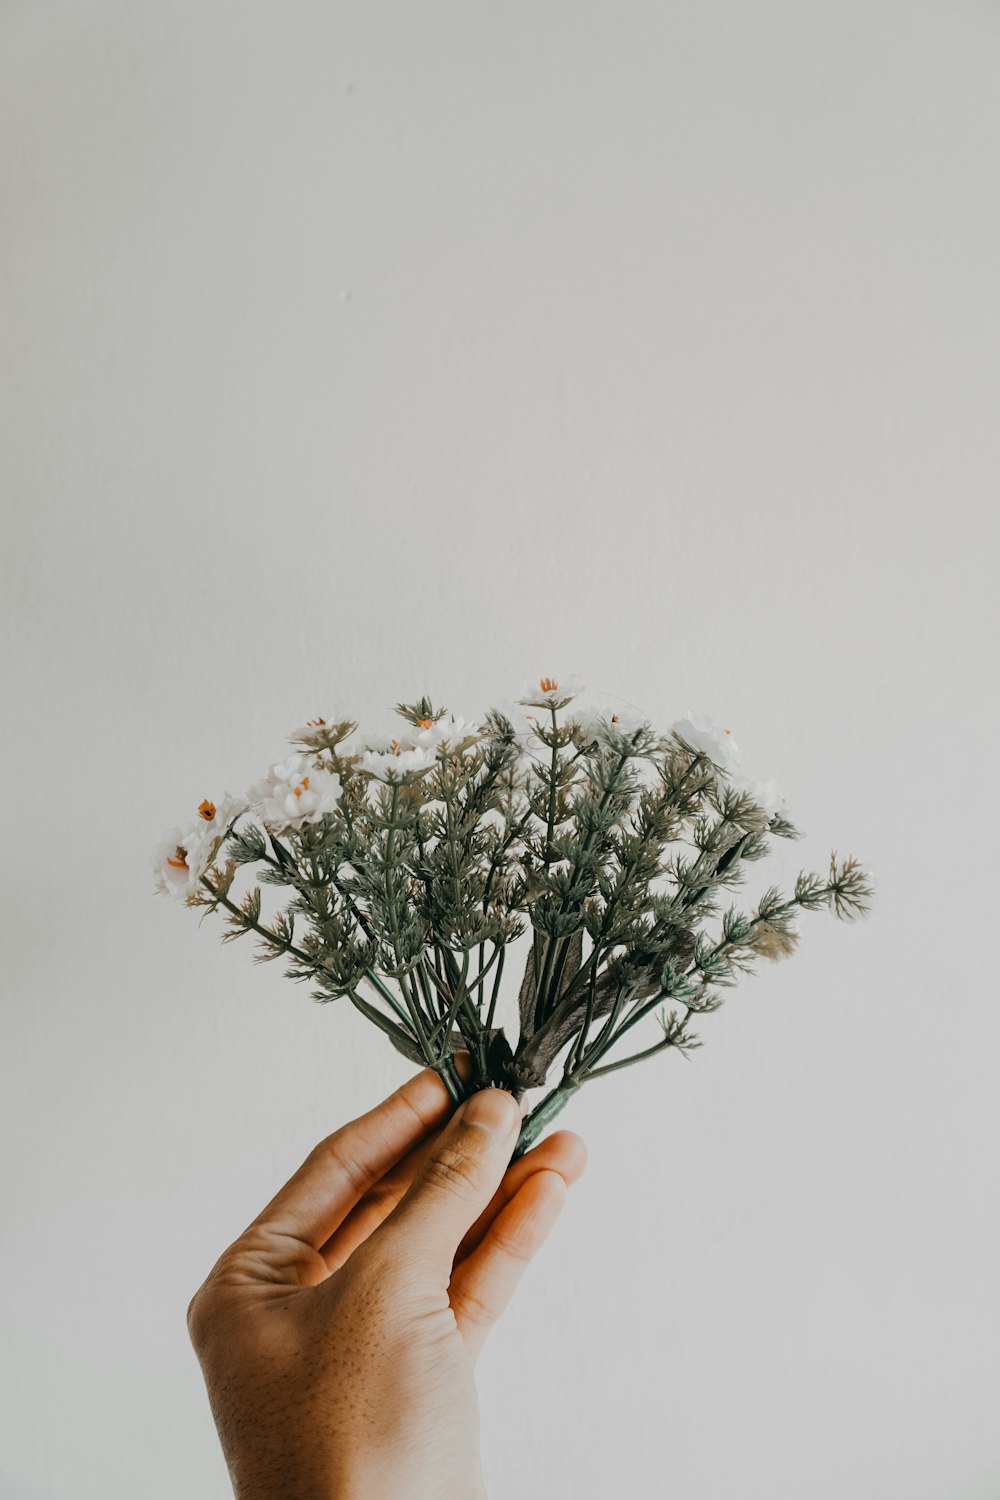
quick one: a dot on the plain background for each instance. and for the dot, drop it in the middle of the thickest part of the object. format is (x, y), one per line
(358, 351)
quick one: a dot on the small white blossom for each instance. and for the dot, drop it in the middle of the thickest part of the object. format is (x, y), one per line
(295, 791)
(527, 722)
(316, 732)
(552, 692)
(618, 721)
(393, 760)
(625, 721)
(184, 856)
(522, 720)
(698, 731)
(181, 860)
(766, 794)
(217, 817)
(444, 731)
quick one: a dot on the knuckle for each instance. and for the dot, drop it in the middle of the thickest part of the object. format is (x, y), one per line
(380, 1283)
(473, 1309)
(376, 1263)
(382, 1197)
(336, 1153)
(423, 1119)
(197, 1317)
(515, 1244)
(453, 1169)
(208, 1305)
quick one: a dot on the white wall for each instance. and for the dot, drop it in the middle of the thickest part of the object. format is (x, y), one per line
(353, 351)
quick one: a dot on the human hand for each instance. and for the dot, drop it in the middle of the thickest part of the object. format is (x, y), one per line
(338, 1334)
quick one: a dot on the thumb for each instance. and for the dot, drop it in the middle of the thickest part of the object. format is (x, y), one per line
(457, 1180)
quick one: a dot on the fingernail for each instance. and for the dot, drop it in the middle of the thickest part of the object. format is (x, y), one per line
(493, 1109)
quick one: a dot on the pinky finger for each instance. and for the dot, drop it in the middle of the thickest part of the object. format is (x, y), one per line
(483, 1284)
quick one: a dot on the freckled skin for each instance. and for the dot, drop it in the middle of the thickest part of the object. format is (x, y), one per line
(338, 1334)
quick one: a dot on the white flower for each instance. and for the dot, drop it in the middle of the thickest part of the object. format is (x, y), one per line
(181, 860)
(617, 721)
(393, 760)
(552, 692)
(766, 794)
(217, 817)
(295, 791)
(698, 731)
(184, 856)
(317, 732)
(528, 723)
(522, 720)
(443, 731)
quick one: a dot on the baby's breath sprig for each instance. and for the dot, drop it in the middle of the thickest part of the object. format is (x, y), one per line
(407, 866)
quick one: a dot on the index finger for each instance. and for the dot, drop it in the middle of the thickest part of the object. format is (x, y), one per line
(341, 1168)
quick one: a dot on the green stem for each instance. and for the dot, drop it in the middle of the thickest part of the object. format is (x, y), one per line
(542, 1115)
(477, 983)
(495, 862)
(424, 985)
(356, 911)
(271, 937)
(625, 1062)
(318, 905)
(607, 1034)
(496, 990)
(387, 995)
(410, 996)
(577, 1049)
(445, 1022)
(552, 787)
(452, 1079)
(389, 1027)
(558, 948)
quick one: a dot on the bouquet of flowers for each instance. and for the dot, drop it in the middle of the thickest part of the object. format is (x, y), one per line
(407, 866)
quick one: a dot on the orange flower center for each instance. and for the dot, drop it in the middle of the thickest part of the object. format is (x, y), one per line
(303, 787)
(178, 860)
(548, 684)
(395, 747)
(316, 723)
(206, 810)
(426, 723)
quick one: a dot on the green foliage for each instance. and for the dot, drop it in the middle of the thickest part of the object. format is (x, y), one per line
(247, 846)
(613, 849)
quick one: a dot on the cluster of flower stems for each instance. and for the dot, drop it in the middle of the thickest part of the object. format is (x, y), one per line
(611, 845)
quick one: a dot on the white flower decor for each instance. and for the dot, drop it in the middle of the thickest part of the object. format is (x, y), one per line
(396, 760)
(310, 729)
(766, 794)
(180, 861)
(445, 730)
(182, 858)
(521, 719)
(216, 818)
(616, 848)
(698, 731)
(325, 730)
(295, 791)
(616, 721)
(552, 692)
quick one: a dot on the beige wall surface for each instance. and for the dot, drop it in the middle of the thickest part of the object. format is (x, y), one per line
(357, 351)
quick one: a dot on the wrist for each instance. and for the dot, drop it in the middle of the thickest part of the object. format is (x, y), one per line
(369, 1477)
